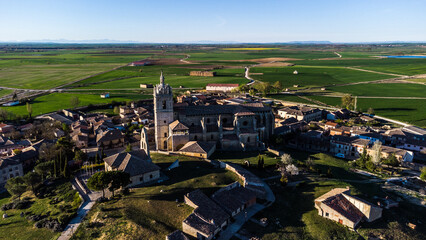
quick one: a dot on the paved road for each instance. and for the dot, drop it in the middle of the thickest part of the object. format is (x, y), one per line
(89, 201)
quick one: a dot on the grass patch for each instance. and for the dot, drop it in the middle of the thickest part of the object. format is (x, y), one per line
(383, 90)
(152, 212)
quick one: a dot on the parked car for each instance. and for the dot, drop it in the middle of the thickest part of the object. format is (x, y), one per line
(340, 155)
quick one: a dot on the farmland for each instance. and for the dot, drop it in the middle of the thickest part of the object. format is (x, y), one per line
(89, 69)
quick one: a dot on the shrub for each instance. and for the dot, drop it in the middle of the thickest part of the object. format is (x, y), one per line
(284, 180)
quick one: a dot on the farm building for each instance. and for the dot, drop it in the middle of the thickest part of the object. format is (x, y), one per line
(143, 85)
(105, 95)
(140, 63)
(202, 73)
(221, 87)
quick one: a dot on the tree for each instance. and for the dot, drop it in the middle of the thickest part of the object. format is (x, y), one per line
(98, 182)
(128, 148)
(119, 179)
(423, 174)
(360, 162)
(116, 110)
(377, 153)
(277, 86)
(286, 159)
(32, 179)
(74, 101)
(264, 87)
(44, 169)
(16, 186)
(80, 156)
(370, 111)
(292, 170)
(29, 109)
(260, 162)
(14, 96)
(392, 160)
(348, 101)
(47, 152)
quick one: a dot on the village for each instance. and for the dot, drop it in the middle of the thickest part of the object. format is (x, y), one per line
(203, 123)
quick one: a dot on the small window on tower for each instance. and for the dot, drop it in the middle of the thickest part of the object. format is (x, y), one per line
(164, 104)
(165, 134)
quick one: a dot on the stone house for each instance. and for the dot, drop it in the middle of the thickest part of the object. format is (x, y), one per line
(302, 113)
(110, 139)
(351, 147)
(9, 169)
(234, 198)
(338, 205)
(198, 149)
(207, 219)
(221, 87)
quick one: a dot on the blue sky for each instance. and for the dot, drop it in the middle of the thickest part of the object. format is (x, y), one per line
(219, 20)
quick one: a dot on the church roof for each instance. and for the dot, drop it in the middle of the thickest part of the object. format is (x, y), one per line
(242, 109)
(176, 126)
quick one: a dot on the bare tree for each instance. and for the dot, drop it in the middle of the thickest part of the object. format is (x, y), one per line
(292, 170)
(376, 153)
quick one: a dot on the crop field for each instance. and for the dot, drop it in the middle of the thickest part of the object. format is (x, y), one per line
(386, 65)
(57, 101)
(313, 76)
(93, 68)
(383, 90)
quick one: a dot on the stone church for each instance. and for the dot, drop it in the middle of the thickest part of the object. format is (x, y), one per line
(226, 127)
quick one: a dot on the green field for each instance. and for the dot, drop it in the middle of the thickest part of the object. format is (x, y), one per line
(4, 92)
(57, 101)
(405, 110)
(383, 90)
(313, 76)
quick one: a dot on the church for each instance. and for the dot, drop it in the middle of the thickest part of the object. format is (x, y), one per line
(246, 126)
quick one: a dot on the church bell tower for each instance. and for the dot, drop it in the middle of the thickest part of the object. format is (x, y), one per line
(163, 113)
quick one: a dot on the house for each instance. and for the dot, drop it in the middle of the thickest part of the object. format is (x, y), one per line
(330, 125)
(395, 137)
(70, 114)
(177, 235)
(198, 149)
(9, 169)
(5, 128)
(80, 141)
(58, 133)
(202, 74)
(340, 114)
(400, 154)
(137, 163)
(221, 87)
(338, 205)
(207, 219)
(302, 113)
(105, 95)
(351, 147)
(110, 139)
(144, 85)
(234, 198)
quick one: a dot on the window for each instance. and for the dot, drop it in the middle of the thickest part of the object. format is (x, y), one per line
(164, 104)
(225, 120)
(165, 134)
(211, 137)
(141, 179)
(245, 123)
(326, 214)
(165, 144)
(195, 138)
(150, 176)
(192, 124)
(208, 120)
(248, 139)
(164, 121)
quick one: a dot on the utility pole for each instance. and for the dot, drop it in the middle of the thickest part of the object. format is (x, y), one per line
(356, 99)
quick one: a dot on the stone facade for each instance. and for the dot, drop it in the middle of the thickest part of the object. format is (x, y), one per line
(163, 113)
(202, 73)
(232, 127)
